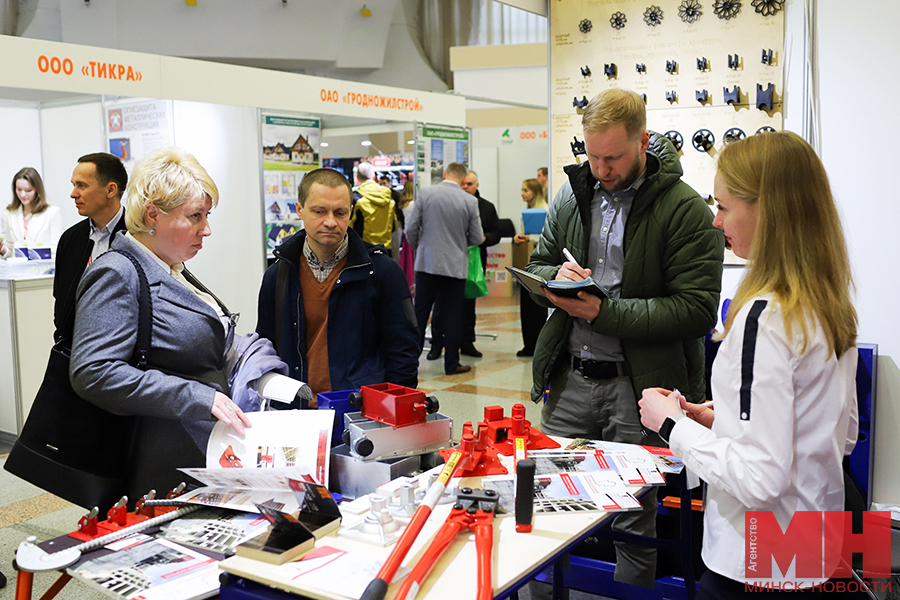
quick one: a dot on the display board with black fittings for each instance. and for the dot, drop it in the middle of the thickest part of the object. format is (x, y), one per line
(710, 71)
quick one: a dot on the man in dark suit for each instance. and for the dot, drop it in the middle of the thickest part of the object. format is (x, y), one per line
(492, 234)
(97, 185)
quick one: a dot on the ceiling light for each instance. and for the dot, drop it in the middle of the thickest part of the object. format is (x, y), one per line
(410, 142)
(365, 143)
(323, 144)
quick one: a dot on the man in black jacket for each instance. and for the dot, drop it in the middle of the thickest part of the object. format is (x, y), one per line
(489, 224)
(98, 182)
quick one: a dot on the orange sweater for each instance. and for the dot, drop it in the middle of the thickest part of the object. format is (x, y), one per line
(315, 310)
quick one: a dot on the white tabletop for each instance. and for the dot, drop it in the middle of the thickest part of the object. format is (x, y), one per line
(455, 574)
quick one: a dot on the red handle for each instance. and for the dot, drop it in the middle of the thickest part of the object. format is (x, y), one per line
(441, 540)
(484, 545)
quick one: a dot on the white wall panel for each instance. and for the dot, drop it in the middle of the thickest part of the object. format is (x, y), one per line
(225, 139)
(20, 128)
(68, 132)
(858, 126)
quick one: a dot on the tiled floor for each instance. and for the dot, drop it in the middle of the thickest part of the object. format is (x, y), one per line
(498, 378)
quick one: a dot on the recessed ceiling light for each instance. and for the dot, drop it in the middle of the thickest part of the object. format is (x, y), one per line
(365, 143)
(323, 144)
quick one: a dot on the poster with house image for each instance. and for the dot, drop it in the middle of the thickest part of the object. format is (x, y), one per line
(290, 149)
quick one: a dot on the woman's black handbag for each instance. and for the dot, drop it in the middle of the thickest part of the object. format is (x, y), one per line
(70, 447)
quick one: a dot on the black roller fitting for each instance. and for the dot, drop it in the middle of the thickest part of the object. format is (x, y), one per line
(610, 70)
(702, 96)
(364, 447)
(675, 138)
(734, 62)
(640, 68)
(580, 103)
(767, 57)
(672, 96)
(702, 64)
(703, 140)
(355, 400)
(671, 67)
(585, 71)
(732, 135)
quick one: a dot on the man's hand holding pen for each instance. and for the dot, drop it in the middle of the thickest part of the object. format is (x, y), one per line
(585, 306)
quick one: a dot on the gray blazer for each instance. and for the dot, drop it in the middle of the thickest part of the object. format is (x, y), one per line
(173, 411)
(443, 224)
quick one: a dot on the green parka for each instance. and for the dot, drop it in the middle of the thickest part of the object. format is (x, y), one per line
(670, 281)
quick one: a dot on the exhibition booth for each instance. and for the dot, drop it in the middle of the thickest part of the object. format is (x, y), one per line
(255, 131)
(258, 132)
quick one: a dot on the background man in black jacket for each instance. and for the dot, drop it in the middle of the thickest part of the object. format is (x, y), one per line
(97, 185)
(489, 224)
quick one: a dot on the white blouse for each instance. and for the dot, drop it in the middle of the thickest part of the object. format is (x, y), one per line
(784, 421)
(43, 230)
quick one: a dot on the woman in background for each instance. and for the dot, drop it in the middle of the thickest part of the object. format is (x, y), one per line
(532, 315)
(407, 256)
(29, 220)
(783, 380)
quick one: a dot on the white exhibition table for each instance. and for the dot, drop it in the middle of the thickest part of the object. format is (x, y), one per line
(26, 336)
(515, 555)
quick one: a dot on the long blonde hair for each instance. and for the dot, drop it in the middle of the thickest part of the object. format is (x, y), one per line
(537, 190)
(798, 252)
(408, 194)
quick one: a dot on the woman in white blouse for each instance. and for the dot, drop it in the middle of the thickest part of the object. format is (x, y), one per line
(783, 380)
(29, 221)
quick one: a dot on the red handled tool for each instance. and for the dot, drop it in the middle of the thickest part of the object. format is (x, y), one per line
(474, 510)
(460, 458)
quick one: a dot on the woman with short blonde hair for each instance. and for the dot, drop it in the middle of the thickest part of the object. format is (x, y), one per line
(165, 178)
(185, 388)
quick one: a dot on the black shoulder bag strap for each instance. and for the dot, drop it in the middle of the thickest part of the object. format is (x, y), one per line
(197, 284)
(145, 314)
(280, 285)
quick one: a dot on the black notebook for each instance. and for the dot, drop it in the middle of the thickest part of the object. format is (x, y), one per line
(563, 287)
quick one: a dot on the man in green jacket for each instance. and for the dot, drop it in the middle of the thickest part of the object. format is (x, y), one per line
(632, 225)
